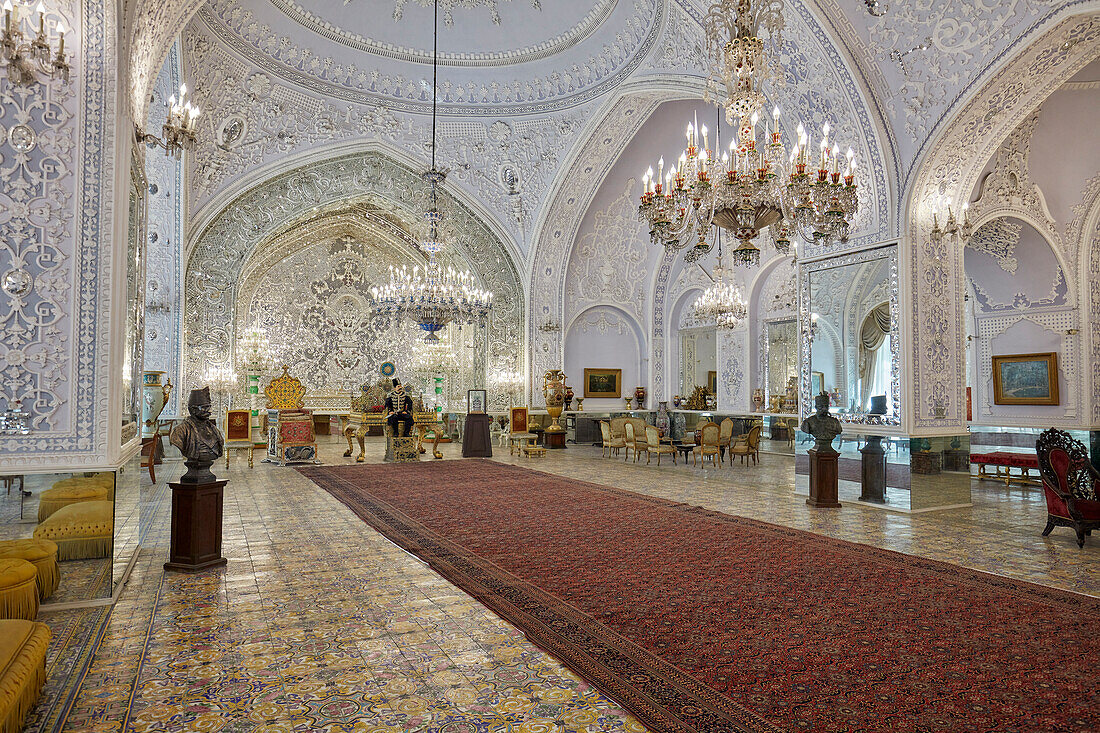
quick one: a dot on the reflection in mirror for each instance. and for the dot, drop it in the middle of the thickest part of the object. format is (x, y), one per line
(851, 309)
(780, 355)
(63, 523)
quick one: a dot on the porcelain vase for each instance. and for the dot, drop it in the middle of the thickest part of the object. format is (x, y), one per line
(154, 396)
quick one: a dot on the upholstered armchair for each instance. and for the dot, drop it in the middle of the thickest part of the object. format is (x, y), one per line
(610, 443)
(641, 442)
(290, 436)
(708, 444)
(628, 439)
(653, 440)
(747, 445)
(725, 435)
(1070, 484)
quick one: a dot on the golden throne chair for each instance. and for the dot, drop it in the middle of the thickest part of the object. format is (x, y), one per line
(290, 435)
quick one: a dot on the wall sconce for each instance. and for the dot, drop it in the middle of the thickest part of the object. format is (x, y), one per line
(178, 130)
(1072, 331)
(549, 326)
(813, 325)
(26, 58)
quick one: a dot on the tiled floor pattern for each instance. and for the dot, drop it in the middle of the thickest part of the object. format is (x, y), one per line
(319, 623)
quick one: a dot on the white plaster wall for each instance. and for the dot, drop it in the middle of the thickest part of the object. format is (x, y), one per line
(603, 338)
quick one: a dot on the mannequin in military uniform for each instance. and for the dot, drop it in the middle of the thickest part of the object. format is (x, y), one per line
(399, 411)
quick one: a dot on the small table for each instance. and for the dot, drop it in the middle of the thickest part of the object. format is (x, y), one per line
(685, 449)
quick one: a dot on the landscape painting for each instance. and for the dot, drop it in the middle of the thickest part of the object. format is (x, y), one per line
(603, 382)
(1025, 379)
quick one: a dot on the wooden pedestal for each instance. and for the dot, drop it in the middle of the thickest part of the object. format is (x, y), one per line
(196, 526)
(823, 479)
(553, 440)
(476, 442)
(873, 484)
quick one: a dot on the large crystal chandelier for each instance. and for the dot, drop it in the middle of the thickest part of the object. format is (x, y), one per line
(435, 296)
(722, 303)
(758, 182)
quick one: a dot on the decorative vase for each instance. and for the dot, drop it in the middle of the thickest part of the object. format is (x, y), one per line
(553, 389)
(580, 404)
(154, 395)
(663, 422)
(639, 397)
(758, 400)
(677, 400)
(569, 394)
(629, 403)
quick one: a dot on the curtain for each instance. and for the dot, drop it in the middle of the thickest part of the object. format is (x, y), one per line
(875, 329)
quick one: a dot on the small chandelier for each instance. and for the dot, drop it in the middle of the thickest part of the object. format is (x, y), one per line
(432, 298)
(722, 302)
(180, 126)
(25, 57)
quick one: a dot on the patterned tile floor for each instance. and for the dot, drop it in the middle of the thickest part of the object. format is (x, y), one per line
(319, 623)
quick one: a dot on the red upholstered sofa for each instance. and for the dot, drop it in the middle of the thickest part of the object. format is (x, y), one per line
(1070, 484)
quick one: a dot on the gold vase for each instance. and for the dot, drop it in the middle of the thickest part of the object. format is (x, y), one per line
(553, 390)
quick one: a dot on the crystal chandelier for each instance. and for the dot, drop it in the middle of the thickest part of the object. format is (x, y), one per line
(180, 126)
(722, 302)
(437, 296)
(26, 57)
(754, 185)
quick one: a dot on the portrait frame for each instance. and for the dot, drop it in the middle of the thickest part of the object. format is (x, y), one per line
(601, 380)
(1026, 379)
(817, 383)
(476, 400)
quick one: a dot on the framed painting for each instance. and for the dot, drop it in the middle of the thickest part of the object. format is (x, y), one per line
(603, 383)
(519, 420)
(475, 401)
(817, 383)
(238, 424)
(1025, 379)
(712, 382)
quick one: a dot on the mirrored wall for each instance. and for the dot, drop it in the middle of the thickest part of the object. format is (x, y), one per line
(851, 337)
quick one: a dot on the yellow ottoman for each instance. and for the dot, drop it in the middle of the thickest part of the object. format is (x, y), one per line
(81, 531)
(40, 553)
(22, 669)
(60, 496)
(18, 590)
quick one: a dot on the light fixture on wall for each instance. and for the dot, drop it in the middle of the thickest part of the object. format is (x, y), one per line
(30, 54)
(951, 228)
(438, 296)
(875, 8)
(758, 182)
(549, 326)
(180, 127)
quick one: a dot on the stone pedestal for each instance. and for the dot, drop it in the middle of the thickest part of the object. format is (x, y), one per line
(476, 442)
(823, 479)
(196, 526)
(553, 440)
(873, 483)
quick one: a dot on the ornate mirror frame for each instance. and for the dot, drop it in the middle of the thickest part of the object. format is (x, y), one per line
(806, 270)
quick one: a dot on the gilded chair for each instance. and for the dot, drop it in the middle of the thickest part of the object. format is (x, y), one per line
(747, 445)
(290, 436)
(618, 428)
(653, 440)
(1071, 484)
(628, 439)
(725, 435)
(641, 443)
(610, 443)
(519, 436)
(708, 444)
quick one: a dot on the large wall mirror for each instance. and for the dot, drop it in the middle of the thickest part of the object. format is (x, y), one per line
(778, 356)
(849, 310)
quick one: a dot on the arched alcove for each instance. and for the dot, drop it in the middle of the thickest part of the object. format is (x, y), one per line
(605, 337)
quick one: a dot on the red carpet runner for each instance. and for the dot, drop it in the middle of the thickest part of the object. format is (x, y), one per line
(699, 621)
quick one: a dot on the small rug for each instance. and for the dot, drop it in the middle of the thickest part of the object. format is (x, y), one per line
(699, 621)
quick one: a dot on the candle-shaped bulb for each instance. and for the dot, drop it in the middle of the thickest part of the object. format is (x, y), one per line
(689, 133)
(755, 117)
(850, 154)
(41, 9)
(775, 114)
(7, 6)
(704, 131)
(683, 159)
(183, 91)
(649, 173)
(801, 130)
(825, 129)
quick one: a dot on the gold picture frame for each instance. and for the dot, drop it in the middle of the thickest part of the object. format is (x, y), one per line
(603, 383)
(712, 382)
(1026, 379)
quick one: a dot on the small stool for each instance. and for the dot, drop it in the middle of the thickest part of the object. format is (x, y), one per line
(405, 450)
(23, 646)
(60, 496)
(18, 589)
(534, 450)
(81, 531)
(40, 553)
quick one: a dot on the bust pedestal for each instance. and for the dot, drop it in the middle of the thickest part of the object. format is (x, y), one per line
(553, 440)
(476, 442)
(196, 526)
(873, 484)
(823, 479)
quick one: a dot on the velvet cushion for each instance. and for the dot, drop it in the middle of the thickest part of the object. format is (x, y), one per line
(54, 498)
(18, 589)
(40, 553)
(23, 647)
(82, 530)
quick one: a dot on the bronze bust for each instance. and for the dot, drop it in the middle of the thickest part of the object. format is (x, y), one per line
(198, 438)
(823, 426)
